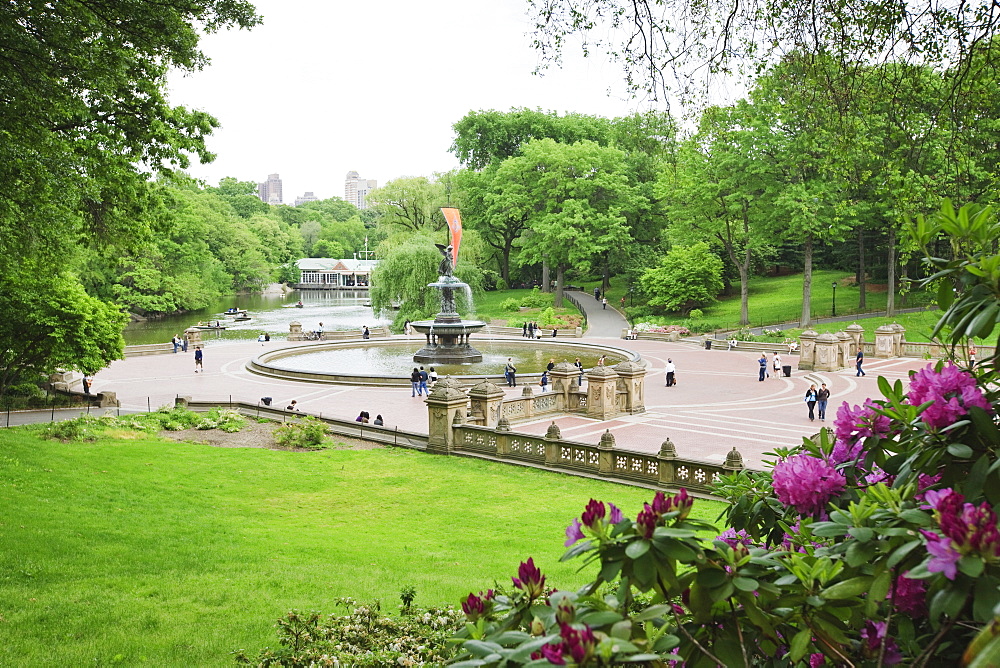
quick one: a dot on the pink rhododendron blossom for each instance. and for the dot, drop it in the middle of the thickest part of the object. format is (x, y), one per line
(910, 596)
(872, 636)
(944, 556)
(475, 607)
(646, 520)
(859, 422)
(845, 452)
(574, 532)
(530, 579)
(732, 538)
(951, 392)
(616, 514)
(806, 483)
(593, 513)
(580, 643)
(816, 660)
(551, 653)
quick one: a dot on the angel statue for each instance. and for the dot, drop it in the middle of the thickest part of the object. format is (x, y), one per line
(447, 265)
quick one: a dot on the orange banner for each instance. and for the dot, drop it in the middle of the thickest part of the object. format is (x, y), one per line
(455, 225)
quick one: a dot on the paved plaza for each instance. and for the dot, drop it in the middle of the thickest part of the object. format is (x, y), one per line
(717, 403)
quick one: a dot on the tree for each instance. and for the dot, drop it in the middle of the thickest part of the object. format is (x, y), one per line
(577, 196)
(413, 203)
(686, 278)
(242, 196)
(53, 324)
(497, 208)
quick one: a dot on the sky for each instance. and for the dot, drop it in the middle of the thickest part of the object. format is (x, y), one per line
(323, 88)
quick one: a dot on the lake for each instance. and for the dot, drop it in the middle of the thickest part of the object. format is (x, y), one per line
(269, 312)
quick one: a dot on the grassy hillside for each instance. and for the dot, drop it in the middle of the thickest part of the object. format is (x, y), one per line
(141, 550)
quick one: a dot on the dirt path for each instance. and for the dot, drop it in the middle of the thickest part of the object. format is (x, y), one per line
(256, 435)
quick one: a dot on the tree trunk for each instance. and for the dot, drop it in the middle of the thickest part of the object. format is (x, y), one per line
(744, 269)
(890, 295)
(505, 264)
(560, 271)
(606, 278)
(862, 270)
(545, 277)
(807, 277)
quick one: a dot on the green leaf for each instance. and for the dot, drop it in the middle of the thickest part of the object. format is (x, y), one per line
(666, 643)
(901, 552)
(848, 588)
(800, 644)
(828, 529)
(862, 534)
(986, 598)
(599, 618)
(947, 601)
(637, 548)
(987, 657)
(745, 584)
(914, 516)
(959, 450)
(860, 553)
(711, 577)
(971, 566)
(481, 648)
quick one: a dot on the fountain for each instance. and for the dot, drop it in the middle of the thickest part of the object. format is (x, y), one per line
(447, 334)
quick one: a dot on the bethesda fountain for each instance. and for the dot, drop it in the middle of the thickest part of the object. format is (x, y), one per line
(447, 334)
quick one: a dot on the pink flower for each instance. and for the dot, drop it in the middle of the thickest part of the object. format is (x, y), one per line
(593, 513)
(475, 607)
(646, 520)
(732, 538)
(574, 532)
(530, 579)
(854, 424)
(873, 635)
(616, 514)
(910, 596)
(580, 643)
(551, 653)
(944, 556)
(951, 392)
(806, 483)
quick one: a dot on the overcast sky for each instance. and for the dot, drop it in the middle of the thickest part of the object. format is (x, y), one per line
(322, 88)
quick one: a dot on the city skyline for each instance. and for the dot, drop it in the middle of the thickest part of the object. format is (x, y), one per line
(376, 94)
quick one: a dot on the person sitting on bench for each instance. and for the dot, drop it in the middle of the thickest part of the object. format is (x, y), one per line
(732, 343)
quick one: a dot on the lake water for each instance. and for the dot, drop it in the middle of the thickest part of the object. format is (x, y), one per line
(270, 312)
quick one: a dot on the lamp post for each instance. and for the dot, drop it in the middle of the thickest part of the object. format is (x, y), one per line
(834, 299)
(630, 295)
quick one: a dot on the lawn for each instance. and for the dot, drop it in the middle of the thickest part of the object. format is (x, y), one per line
(488, 307)
(143, 550)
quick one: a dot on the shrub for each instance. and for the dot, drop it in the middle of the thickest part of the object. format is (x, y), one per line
(537, 299)
(83, 428)
(510, 304)
(224, 419)
(361, 638)
(307, 433)
(696, 314)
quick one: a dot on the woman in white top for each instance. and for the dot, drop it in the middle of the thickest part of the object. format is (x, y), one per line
(777, 365)
(432, 376)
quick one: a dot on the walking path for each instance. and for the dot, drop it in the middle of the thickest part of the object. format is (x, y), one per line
(602, 323)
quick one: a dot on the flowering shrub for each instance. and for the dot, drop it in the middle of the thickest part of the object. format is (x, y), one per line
(661, 329)
(361, 637)
(876, 544)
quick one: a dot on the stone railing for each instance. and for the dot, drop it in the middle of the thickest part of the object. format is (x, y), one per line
(496, 330)
(148, 349)
(389, 435)
(530, 406)
(663, 469)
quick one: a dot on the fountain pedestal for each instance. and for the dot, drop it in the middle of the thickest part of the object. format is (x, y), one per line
(447, 334)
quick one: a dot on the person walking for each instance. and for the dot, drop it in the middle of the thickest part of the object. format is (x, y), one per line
(545, 380)
(524, 330)
(184, 342)
(776, 365)
(671, 370)
(859, 359)
(423, 381)
(176, 341)
(604, 303)
(531, 330)
(551, 365)
(199, 359)
(622, 302)
(822, 397)
(972, 353)
(579, 365)
(365, 334)
(810, 399)
(509, 372)
(763, 367)
(415, 381)
(597, 293)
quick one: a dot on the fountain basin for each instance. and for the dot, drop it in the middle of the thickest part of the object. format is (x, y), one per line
(447, 341)
(388, 362)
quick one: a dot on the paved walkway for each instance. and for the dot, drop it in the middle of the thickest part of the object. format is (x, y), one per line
(716, 405)
(602, 323)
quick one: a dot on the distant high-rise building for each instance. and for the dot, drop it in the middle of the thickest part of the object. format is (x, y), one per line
(308, 197)
(270, 191)
(356, 189)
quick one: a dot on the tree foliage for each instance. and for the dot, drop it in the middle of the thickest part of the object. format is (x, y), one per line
(687, 277)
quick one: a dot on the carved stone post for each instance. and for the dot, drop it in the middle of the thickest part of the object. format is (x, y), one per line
(606, 452)
(884, 341)
(631, 375)
(734, 461)
(666, 457)
(826, 356)
(529, 406)
(602, 384)
(295, 331)
(561, 381)
(898, 338)
(193, 336)
(844, 350)
(807, 349)
(503, 437)
(444, 403)
(857, 334)
(487, 401)
(552, 437)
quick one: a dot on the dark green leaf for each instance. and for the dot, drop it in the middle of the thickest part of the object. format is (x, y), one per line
(959, 450)
(637, 548)
(848, 588)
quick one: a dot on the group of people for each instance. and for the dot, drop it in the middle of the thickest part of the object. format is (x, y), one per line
(180, 342)
(817, 399)
(775, 365)
(365, 417)
(532, 330)
(419, 380)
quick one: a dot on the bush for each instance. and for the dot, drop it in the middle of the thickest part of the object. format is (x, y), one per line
(83, 428)
(307, 433)
(537, 299)
(361, 638)
(510, 304)
(224, 419)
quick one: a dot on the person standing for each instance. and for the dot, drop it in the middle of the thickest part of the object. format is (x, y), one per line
(810, 399)
(671, 371)
(545, 380)
(524, 330)
(531, 330)
(859, 359)
(176, 341)
(433, 376)
(406, 328)
(365, 334)
(415, 381)
(553, 332)
(623, 301)
(199, 359)
(763, 367)
(579, 365)
(551, 365)
(822, 397)
(972, 353)
(597, 293)
(184, 342)
(776, 365)
(510, 372)
(423, 381)
(604, 303)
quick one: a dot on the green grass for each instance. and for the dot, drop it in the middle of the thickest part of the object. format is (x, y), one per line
(149, 551)
(918, 326)
(488, 306)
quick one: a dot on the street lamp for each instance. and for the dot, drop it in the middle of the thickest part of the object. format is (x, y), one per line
(834, 299)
